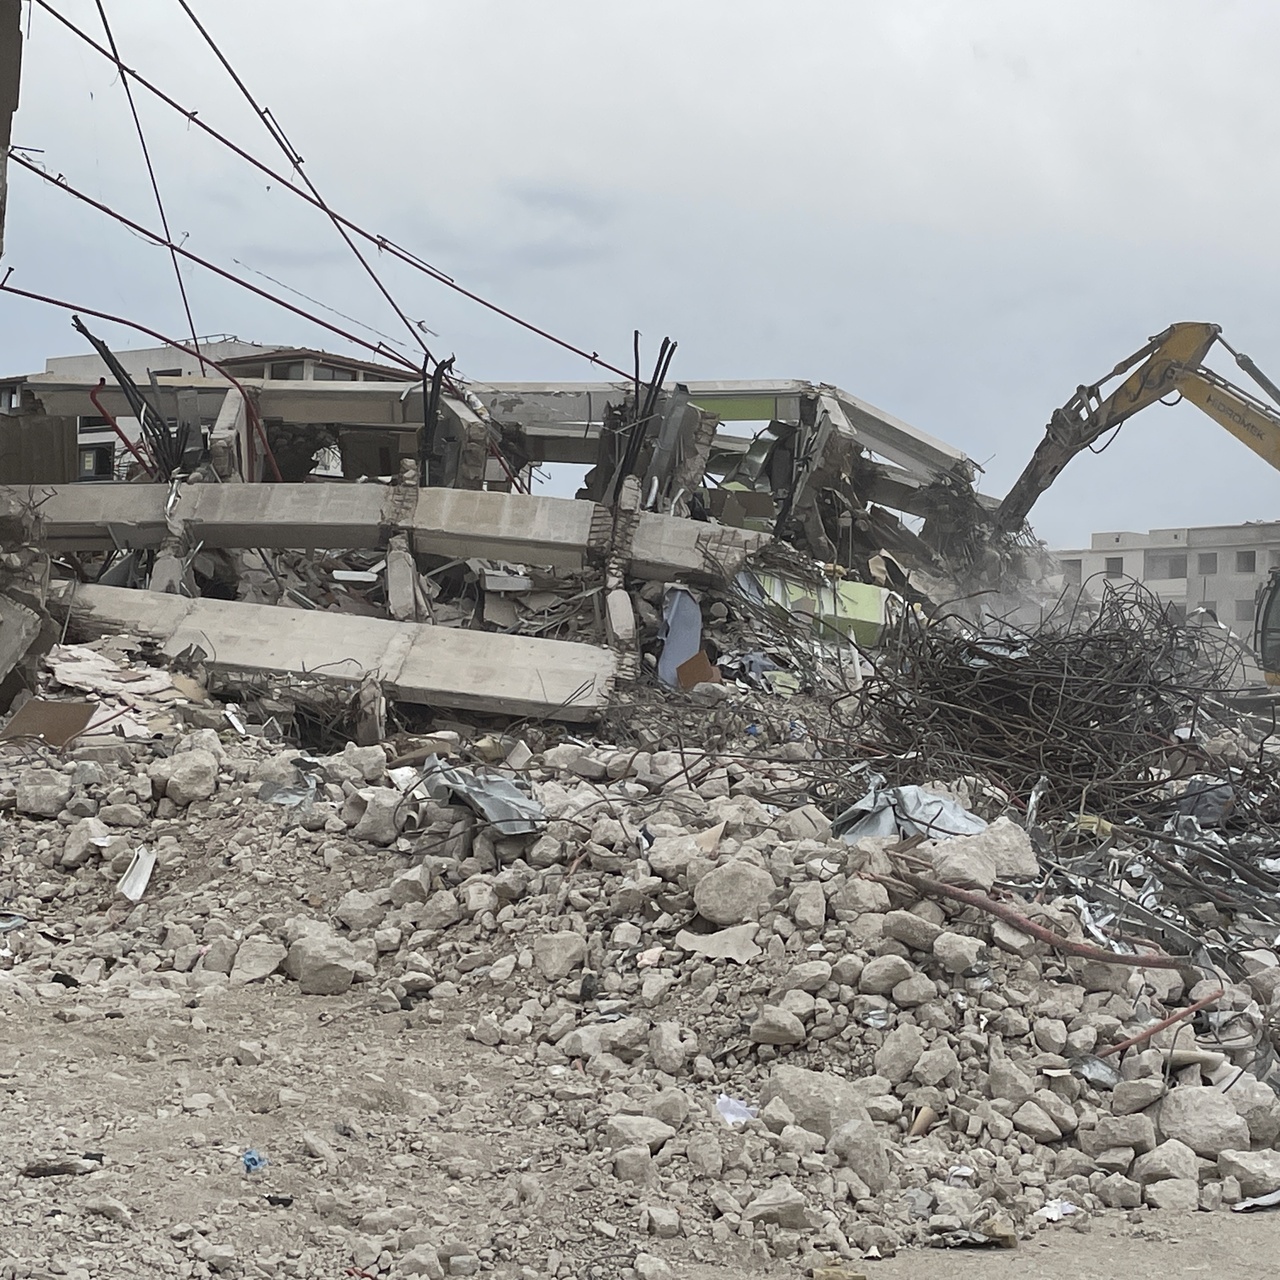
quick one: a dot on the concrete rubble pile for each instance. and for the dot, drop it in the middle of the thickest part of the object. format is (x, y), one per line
(738, 1036)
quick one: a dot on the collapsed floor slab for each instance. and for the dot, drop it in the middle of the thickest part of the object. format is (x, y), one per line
(435, 666)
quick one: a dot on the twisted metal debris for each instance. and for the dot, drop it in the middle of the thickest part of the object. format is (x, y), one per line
(1101, 711)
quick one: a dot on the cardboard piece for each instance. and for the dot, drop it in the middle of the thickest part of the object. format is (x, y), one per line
(698, 670)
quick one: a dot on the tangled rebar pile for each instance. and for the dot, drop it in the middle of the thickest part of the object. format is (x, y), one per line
(1101, 709)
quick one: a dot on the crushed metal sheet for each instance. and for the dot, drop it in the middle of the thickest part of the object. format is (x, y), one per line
(288, 796)
(1269, 1201)
(904, 811)
(511, 811)
(681, 634)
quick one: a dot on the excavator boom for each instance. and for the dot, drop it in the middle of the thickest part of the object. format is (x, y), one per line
(1250, 420)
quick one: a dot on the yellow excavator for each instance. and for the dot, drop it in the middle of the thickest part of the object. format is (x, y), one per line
(1170, 365)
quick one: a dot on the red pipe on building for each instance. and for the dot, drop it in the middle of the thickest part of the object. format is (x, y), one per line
(115, 426)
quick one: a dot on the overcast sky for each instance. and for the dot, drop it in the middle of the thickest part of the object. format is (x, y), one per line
(958, 211)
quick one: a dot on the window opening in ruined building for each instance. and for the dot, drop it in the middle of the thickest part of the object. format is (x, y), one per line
(1115, 567)
(1244, 610)
(287, 371)
(1207, 563)
(1072, 572)
(332, 373)
(1247, 562)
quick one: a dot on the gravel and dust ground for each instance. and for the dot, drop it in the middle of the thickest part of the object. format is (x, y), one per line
(362, 1114)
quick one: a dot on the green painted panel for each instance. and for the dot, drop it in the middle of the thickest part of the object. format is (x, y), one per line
(739, 408)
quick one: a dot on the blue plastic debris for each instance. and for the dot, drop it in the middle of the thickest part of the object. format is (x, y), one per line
(254, 1161)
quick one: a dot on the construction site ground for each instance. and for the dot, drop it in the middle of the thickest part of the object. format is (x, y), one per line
(118, 1085)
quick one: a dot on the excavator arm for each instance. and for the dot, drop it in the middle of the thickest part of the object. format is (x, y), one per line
(1171, 363)
(1089, 415)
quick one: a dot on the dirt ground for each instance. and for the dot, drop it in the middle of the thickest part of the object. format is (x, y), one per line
(376, 1125)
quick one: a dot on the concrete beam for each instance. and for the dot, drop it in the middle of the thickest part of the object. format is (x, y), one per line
(481, 671)
(98, 517)
(559, 532)
(575, 404)
(912, 449)
(901, 491)
(454, 523)
(666, 547)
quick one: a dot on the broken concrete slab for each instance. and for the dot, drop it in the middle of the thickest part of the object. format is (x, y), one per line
(436, 666)
(671, 546)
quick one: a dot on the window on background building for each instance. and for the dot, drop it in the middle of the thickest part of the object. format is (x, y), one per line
(1275, 559)
(1164, 564)
(96, 462)
(252, 371)
(331, 373)
(1244, 610)
(287, 371)
(1073, 572)
(1115, 567)
(1247, 562)
(1207, 563)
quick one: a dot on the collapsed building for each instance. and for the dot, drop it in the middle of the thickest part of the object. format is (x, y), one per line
(247, 490)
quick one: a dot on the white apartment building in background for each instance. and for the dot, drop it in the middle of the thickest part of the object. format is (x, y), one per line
(1214, 567)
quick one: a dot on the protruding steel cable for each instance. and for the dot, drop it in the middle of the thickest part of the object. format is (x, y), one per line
(382, 242)
(156, 237)
(273, 128)
(155, 185)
